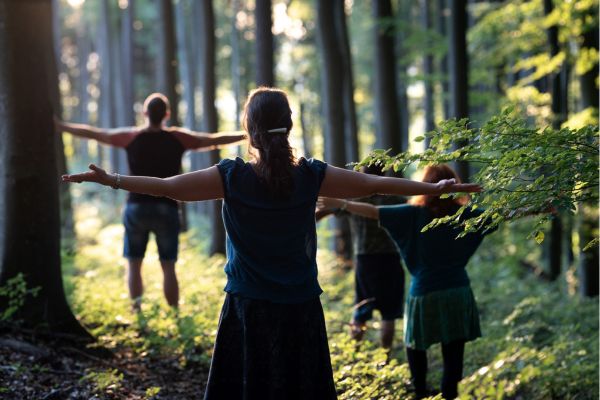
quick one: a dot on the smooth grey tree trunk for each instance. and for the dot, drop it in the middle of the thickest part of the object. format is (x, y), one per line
(428, 69)
(107, 105)
(387, 118)
(587, 217)
(332, 82)
(554, 244)
(210, 119)
(167, 58)
(67, 222)
(29, 193)
(351, 122)
(264, 43)
(458, 70)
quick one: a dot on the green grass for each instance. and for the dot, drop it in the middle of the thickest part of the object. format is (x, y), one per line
(539, 342)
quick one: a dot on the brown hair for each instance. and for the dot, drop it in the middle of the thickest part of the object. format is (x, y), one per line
(439, 207)
(267, 109)
(156, 106)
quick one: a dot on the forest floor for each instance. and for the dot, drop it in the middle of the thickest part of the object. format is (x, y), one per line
(540, 339)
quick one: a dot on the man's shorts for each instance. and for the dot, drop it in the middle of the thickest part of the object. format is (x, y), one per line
(140, 219)
(379, 285)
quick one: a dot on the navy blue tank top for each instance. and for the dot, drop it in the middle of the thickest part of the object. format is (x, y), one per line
(154, 153)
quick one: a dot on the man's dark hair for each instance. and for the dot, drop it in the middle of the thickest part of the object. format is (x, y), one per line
(156, 106)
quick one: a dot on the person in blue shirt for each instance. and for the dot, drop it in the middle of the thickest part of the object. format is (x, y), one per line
(271, 342)
(440, 307)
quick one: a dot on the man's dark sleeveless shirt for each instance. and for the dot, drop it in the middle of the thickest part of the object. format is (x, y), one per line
(154, 153)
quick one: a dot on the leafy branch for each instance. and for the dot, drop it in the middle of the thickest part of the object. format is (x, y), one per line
(524, 170)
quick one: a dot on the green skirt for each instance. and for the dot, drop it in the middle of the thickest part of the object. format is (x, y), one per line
(441, 317)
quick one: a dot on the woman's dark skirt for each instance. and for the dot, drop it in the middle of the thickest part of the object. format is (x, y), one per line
(266, 350)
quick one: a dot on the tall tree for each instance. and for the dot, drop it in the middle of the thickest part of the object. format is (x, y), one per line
(29, 227)
(235, 63)
(264, 43)
(107, 105)
(333, 109)
(428, 68)
(126, 65)
(350, 120)
(554, 244)
(67, 222)
(443, 64)
(588, 213)
(458, 69)
(386, 100)
(167, 58)
(210, 120)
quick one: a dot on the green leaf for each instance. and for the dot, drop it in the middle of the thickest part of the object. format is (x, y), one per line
(539, 237)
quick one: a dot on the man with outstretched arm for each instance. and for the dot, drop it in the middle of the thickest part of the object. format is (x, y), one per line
(152, 150)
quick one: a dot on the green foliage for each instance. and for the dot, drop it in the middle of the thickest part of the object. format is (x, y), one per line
(151, 392)
(103, 380)
(524, 170)
(16, 291)
(538, 342)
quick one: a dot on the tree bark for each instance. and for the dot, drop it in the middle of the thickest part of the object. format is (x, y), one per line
(443, 65)
(167, 58)
(210, 120)
(29, 199)
(333, 110)
(587, 215)
(554, 245)
(458, 70)
(386, 102)
(351, 123)
(264, 43)
(67, 222)
(428, 70)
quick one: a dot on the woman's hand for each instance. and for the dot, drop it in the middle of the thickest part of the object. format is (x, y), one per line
(328, 203)
(450, 186)
(96, 174)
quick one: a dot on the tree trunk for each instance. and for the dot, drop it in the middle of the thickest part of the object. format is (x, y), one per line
(235, 65)
(30, 227)
(333, 110)
(351, 123)
(428, 70)
(306, 138)
(443, 65)
(554, 245)
(107, 105)
(264, 43)
(458, 68)
(67, 222)
(167, 58)
(386, 102)
(127, 70)
(210, 120)
(404, 16)
(587, 215)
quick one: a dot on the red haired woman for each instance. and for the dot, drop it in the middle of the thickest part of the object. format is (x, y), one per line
(440, 307)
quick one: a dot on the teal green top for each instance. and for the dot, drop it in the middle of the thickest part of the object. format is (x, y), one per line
(271, 243)
(435, 259)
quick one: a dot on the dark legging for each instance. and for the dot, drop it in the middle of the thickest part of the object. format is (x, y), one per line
(452, 354)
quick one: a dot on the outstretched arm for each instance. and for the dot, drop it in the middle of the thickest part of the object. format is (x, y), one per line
(119, 137)
(342, 183)
(199, 185)
(206, 141)
(353, 207)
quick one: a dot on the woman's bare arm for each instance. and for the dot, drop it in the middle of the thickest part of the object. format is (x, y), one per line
(342, 183)
(199, 185)
(353, 207)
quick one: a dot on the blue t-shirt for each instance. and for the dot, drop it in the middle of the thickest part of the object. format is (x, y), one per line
(435, 259)
(271, 243)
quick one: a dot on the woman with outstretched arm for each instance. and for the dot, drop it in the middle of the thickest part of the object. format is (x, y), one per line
(271, 342)
(440, 307)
